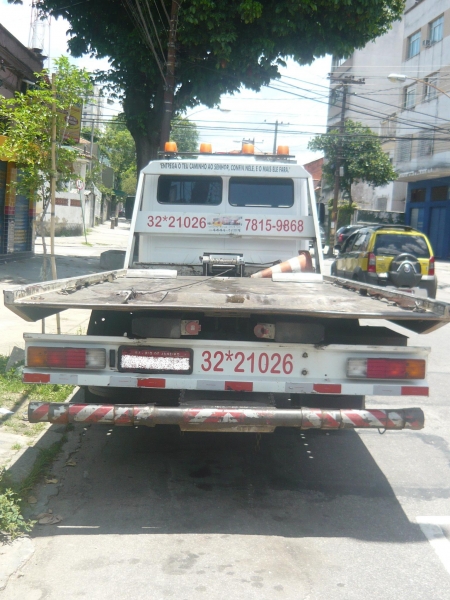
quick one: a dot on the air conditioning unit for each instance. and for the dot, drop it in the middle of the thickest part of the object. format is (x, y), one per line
(427, 43)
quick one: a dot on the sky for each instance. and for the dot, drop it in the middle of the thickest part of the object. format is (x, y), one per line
(298, 101)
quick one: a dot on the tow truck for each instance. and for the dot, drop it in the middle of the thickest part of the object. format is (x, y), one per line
(222, 320)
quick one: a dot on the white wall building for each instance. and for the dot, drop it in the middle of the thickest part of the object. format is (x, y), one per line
(423, 138)
(412, 111)
(373, 103)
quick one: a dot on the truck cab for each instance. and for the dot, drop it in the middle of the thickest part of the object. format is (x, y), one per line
(207, 213)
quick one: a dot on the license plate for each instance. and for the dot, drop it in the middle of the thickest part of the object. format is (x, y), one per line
(174, 361)
(244, 362)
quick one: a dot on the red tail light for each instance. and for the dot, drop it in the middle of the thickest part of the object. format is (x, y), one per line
(372, 266)
(386, 368)
(431, 266)
(341, 237)
(66, 358)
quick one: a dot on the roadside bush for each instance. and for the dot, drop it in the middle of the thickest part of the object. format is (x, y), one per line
(12, 523)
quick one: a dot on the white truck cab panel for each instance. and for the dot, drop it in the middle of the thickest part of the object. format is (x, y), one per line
(222, 204)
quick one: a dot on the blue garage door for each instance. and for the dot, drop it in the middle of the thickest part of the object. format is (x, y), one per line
(437, 231)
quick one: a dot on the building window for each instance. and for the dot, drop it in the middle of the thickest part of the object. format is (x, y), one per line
(439, 193)
(426, 143)
(388, 126)
(409, 100)
(414, 44)
(381, 203)
(418, 195)
(430, 92)
(436, 30)
(404, 150)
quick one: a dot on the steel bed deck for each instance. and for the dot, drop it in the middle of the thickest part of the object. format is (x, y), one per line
(332, 298)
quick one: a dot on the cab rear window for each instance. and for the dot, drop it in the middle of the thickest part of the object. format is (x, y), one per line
(391, 244)
(179, 189)
(261, 191)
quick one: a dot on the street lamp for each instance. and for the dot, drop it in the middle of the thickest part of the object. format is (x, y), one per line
(394, 77)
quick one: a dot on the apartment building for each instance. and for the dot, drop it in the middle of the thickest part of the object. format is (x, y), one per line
(423, 139)
(405, 99)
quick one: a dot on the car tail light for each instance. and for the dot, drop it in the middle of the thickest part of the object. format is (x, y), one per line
(386, 368)
(156, 360)
(372, 265)
(431, 266)
(341, 237)
(66, 358)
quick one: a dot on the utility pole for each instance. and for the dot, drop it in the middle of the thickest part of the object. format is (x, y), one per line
(53, 192)
(343, 83)
(169, 87)
(275, 138)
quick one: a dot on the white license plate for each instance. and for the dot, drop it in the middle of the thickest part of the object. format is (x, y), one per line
(244, 362)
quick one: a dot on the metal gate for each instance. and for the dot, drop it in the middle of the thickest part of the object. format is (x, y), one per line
(3, 166)
(22, 230)
(437, 231)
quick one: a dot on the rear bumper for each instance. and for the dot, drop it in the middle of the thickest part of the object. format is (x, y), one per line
(226, 419)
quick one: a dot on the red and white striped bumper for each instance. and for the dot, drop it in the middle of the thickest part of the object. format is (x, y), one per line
(225, 419)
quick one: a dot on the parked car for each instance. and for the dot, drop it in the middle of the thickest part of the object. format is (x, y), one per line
(343, 233)
(388, 255)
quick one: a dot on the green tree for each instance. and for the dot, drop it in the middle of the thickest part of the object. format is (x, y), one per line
(221, 46)
(185, 134)
(361, 155)
(26, 120)
(117, 145)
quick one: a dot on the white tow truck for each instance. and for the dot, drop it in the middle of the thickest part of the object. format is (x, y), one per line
(221, 319)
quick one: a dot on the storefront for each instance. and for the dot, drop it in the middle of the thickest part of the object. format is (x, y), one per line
(16, 213)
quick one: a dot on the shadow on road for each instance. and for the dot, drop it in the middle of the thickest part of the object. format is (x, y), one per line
(298, 484)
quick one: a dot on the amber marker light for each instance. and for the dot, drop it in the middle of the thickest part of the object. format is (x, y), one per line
(284, 150)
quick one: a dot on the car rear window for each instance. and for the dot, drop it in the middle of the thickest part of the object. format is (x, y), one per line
(392, 244)
(261, 191)
(180, 189)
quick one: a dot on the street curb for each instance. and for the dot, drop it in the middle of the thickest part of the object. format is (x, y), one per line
(15, 555)
(23, 461)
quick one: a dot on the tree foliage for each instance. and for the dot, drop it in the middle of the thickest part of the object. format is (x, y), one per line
(185, 134)
(117, 145)
(26, 120)
(361, 155)
(27, 123)
(221, 45)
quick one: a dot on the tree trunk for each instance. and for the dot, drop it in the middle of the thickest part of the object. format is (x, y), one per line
(146, 149)
(144, 123)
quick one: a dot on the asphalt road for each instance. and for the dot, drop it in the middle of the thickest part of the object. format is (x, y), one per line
(153, 514)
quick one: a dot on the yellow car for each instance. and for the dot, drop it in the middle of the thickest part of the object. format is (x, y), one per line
(395, 256)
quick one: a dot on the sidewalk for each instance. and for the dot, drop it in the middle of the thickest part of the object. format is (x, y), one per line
(73, 257)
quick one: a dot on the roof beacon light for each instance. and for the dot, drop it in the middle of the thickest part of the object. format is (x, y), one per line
(283, 150)
(170, 147)
(248, 149)
(205, 148)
